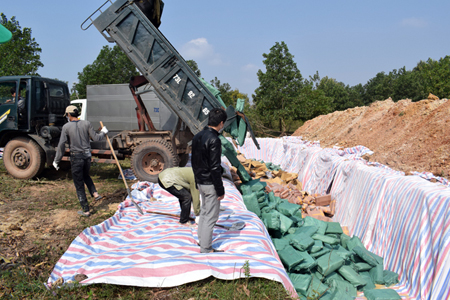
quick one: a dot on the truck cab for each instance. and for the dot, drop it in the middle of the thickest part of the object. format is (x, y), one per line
(31, 118)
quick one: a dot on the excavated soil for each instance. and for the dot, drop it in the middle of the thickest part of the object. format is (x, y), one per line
(406, 136)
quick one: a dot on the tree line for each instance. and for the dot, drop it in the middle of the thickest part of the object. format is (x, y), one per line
(281, 103)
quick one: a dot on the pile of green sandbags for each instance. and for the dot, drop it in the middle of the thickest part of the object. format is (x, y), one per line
(322, 262)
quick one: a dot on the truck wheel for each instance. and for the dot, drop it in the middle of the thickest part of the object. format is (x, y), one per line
(23, 158)
(150, 158)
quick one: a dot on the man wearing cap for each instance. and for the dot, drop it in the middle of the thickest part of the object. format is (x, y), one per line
(77, 133)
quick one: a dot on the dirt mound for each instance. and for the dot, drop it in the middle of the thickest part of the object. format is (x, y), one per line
(404, 135)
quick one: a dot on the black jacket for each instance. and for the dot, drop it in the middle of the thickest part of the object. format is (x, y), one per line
(206, 153)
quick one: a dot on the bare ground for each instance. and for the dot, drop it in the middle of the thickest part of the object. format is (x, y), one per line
(406, 136)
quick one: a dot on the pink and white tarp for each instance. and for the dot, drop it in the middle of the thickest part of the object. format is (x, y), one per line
(404, 219)
(154, 250)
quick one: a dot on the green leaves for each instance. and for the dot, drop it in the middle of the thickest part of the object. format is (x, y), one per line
(277, 98)
(21, 55)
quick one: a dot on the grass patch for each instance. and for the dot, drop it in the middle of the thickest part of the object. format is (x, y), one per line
(28, 258)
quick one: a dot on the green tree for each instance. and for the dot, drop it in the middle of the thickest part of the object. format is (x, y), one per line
(433, 77)
(280, 86)
(111, 66)
(21, 55)
(194, 66)
(225, 91)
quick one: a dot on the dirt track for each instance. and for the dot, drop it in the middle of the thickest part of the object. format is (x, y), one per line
(404, 135)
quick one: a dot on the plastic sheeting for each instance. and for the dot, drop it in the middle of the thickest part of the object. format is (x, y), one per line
(404, 219)
(154, 250)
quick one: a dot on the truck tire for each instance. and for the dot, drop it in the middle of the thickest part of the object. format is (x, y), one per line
(150, 158)
(23, 158)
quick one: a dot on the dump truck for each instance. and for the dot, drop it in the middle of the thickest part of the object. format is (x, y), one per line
(133, 26)
(31, 118)
(30, 138)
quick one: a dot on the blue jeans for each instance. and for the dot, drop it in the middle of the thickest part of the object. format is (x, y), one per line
(80, 165)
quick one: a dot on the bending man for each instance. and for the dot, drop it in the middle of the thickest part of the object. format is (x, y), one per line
(180, 182)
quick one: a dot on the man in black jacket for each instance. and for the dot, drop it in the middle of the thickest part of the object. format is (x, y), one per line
(206, 153)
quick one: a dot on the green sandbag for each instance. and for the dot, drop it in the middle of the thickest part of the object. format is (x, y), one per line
(280, 244)
(300, 241)
(297, 221)
(369, 283)
(266, 207)
(361, 267)
(260, 194)
(379, 294)
(328, 263)
(245, 189)
(356, 259)
(301, 282)
(354, 242)
(344, 240)
(351, 276)
(229, 152)
(299, 214)
(251, 202)
(325, 239)
(334, 235)
(333, 276)
(390, 278)
(342, 252)
(316, 288)
(334, 227)
(272, 198)
(377, 274)
(288, 209)
(308, 230)
(271, 220)
(321, 225)
(366, 255)
(336, 294)
(307, 264)
(242, 132)
(345, 288)
(255, 185)
(320, 253)
(263, 204)
(285, 223)
(290, 257)
(318, 245)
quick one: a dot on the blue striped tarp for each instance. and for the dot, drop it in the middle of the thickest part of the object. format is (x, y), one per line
(154, 250)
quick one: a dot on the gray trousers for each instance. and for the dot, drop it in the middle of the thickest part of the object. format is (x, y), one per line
(209, 214)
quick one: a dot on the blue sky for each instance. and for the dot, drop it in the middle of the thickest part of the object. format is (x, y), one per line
(350, 41)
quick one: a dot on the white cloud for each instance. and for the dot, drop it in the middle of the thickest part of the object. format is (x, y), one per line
(414, 22)
(200, 50)
(250, 68)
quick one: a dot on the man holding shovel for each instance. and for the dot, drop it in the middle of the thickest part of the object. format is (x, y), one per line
(206, 163)
(77, 133)
(180, 182)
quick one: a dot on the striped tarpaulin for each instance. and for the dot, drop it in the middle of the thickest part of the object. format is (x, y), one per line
(154, 250)
(404, 219)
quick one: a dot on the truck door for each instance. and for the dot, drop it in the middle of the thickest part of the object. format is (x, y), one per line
(8, 105)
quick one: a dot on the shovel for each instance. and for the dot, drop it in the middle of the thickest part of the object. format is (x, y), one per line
(234, 226)
(121, 173)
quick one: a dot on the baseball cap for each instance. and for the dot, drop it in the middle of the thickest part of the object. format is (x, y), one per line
(71, 109)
